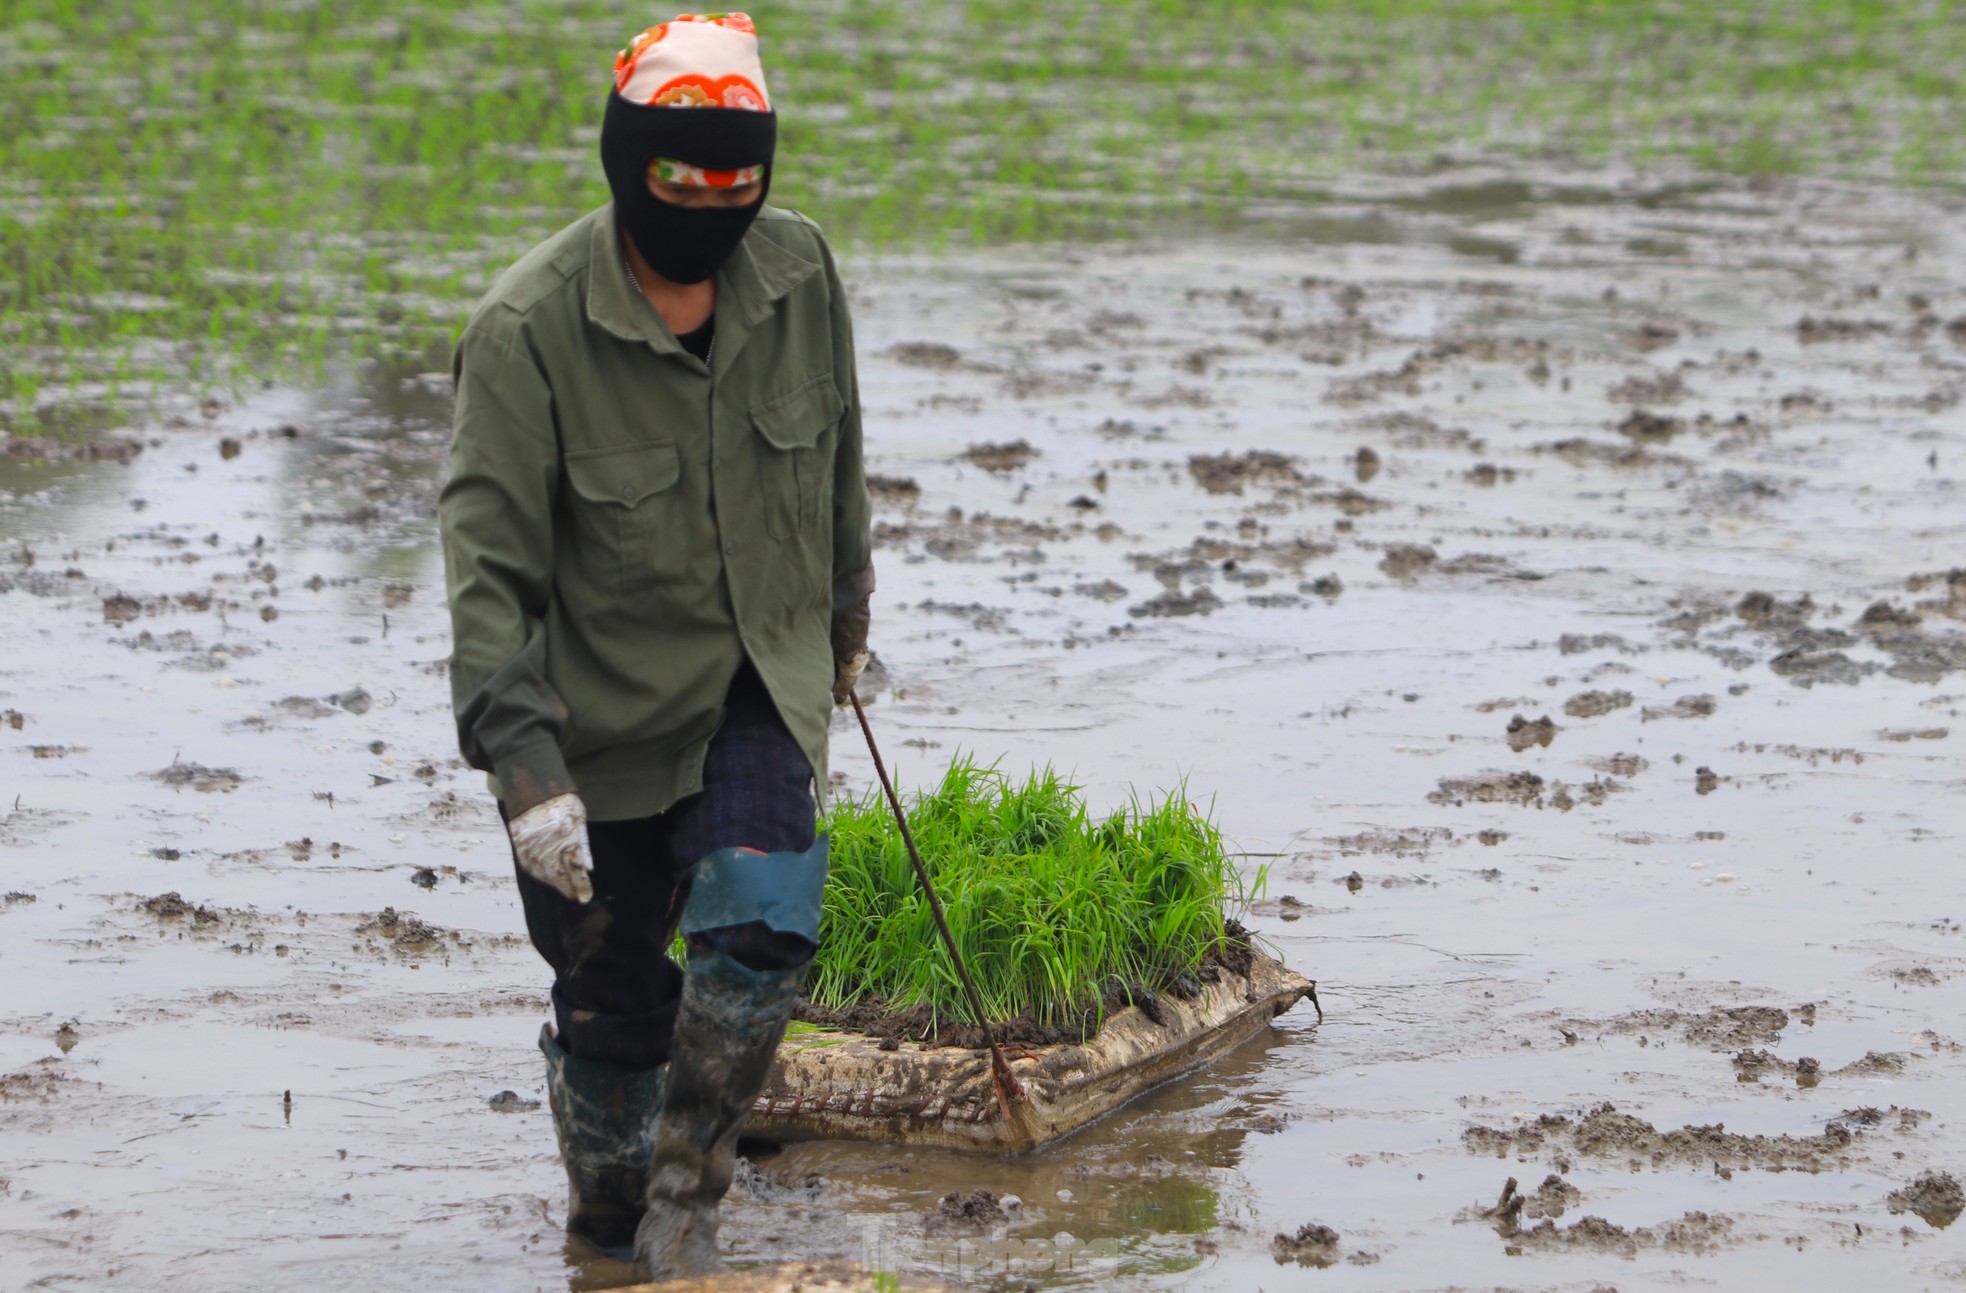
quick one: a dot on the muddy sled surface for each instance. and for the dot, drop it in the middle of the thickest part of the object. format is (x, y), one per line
(836, 1085)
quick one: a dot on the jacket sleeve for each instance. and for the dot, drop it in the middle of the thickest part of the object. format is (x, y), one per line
(496, 516)
(853, 544)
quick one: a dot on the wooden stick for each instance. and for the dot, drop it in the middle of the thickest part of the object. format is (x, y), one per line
(1006, 1084)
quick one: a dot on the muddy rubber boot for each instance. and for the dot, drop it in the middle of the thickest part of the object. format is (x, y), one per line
(603, 1114)
(760, 908)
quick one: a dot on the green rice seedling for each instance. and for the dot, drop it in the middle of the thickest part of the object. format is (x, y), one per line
(1057, 913)
(285, 180)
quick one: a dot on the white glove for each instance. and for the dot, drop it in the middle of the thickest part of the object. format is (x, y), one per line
(550, 839)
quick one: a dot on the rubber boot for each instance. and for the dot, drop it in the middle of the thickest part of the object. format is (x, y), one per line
(603, 1114)
(727, 1035)
(752, 922)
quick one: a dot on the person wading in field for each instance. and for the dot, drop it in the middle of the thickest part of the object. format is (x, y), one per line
(659, 564)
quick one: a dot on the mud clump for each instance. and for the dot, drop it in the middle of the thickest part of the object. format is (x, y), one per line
(1525, 788)
(1649, 428)
(1405, 560)
(1313, 1245)
(1685, 707)
(1884, 617)
(775, 1187)
(1649, 388)
(976, 1210)
(1935, 1197)
(1006, 457)
(926, 354)
(1727, 1028)
(1606, 1133)
(894, 489)
(405, 931)
(1705, 781)
(1173, 603)
(1595, 704)
(1764, 610)
(1806, 668)
(1694, 1232)
(200, 778)
(1228, 473)
(170, 906)
(1523, 733)
(1621, 765)
(1550, 1199)
(511, 1102)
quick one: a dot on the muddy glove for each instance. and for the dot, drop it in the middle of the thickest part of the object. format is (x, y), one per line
(850, 646)
(550, 839)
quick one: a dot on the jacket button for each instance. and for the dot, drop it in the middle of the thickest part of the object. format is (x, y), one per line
(628, 491)
(730, 548)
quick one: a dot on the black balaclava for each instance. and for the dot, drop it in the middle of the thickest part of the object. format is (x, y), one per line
(683, 244)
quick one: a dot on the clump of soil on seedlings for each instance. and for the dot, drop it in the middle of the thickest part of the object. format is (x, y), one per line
(1935, 1197)
(926, 354)
(1313, 1245)
(200, 778)
(1405, 560)
(1523, 733)
(1595, 704)
(1228, 473)
(1001, 457)
(960, 1213)
(1525, 788)
(1606, 1133)
(170, 906)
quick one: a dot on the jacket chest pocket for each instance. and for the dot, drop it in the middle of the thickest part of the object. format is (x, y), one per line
(624, 528)
(796, 458)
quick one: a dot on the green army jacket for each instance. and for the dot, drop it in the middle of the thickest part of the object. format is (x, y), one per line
(622, 525)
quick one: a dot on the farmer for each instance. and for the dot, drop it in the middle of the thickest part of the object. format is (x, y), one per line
(657, 550)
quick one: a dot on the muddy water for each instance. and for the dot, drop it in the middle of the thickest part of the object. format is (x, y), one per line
(1715, 890)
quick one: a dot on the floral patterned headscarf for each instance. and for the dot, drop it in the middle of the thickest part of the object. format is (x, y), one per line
(696, 61)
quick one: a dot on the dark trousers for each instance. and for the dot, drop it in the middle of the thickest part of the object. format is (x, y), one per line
(615, 989)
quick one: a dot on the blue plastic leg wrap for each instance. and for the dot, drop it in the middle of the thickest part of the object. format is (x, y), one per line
(737, 886)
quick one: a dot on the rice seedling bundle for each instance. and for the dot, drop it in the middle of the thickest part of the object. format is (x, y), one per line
(1059, 915)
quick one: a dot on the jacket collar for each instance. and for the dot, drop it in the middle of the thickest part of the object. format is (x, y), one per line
(758, 275)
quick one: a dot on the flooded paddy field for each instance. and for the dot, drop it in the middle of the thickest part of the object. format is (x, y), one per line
(1558, 590)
